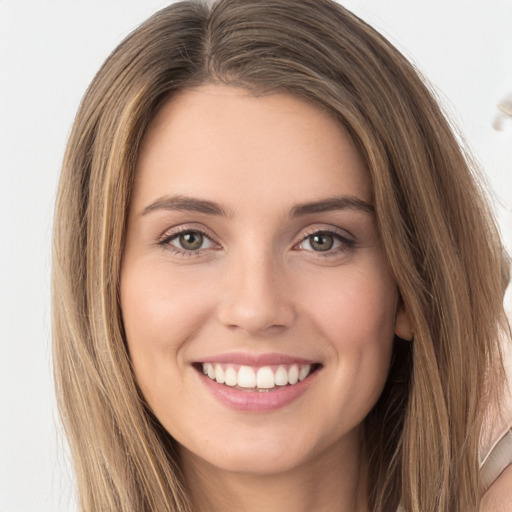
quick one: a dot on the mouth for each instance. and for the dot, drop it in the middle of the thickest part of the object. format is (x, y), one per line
(257, 378)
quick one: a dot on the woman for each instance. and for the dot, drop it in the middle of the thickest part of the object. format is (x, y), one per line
(276, 282)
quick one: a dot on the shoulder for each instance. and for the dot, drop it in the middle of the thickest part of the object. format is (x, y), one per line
(498, 498)
(496, 470)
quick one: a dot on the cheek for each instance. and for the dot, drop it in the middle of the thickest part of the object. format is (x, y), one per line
(355, 307)
(158, 303)
(354, 313)
(161, 311)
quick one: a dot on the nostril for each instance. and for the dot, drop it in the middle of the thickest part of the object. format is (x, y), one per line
(255, 302)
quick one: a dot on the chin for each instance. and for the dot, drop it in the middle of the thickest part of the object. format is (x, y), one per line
(257, 461)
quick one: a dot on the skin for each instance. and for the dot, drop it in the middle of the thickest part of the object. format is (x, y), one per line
(499, 496)
(257, 285)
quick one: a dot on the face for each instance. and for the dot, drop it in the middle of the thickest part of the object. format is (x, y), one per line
(258, 305)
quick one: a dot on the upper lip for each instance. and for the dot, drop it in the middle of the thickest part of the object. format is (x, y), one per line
(257, 360)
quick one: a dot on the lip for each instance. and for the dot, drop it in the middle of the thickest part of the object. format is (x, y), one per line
(256, 360)
(253, 401)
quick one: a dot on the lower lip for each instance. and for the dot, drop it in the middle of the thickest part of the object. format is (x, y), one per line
(257, 401)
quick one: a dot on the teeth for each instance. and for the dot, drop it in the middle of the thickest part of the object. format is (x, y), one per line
(293, 374)
(246, 377)
(219, 374)
(281, 378)
(263, 378)
(230, 376)
(303, 372)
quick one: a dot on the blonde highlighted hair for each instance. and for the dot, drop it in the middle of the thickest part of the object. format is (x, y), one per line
(421, 439)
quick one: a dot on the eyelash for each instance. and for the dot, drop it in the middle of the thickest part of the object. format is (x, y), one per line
(346, 243)
(167, 238)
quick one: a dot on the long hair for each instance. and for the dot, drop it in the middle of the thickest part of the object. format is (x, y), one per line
(421, 439)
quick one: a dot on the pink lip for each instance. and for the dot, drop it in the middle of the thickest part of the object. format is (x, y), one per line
(256, 360)
(255, 401)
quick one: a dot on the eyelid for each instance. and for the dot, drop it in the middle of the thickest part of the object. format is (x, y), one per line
(183, 228)
(331, 230)
(347, 239)
(172, 233)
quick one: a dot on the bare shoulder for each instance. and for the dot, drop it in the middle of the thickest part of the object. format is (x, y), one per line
(499, 496)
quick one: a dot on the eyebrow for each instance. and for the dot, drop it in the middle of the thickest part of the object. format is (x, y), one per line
(192, 204)
(332, 204)
(184, 203)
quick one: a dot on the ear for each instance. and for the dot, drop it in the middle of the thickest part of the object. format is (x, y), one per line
(403, 324)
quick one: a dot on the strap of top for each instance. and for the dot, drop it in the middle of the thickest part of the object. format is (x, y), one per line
(499, 458)
(497, 461)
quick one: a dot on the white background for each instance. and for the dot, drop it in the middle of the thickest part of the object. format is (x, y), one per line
(49, 52)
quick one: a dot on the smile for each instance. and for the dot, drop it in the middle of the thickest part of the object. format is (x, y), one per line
(257, 383)
(261, 378)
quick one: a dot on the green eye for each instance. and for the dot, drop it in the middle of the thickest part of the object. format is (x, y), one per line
(187, 242)
(328, 242)
(190, 240)
(321, 242)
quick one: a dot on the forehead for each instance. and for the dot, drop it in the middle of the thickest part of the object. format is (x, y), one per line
(222, 141)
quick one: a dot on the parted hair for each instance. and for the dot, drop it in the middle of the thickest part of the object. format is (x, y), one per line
(421, 439)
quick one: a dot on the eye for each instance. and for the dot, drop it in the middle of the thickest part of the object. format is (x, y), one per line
(188, 241)
(325, 242)
(320, 241)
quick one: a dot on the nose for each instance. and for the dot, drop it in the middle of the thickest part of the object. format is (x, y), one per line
(255, 296)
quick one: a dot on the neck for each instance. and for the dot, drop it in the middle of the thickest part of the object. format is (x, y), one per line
(332, 481)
